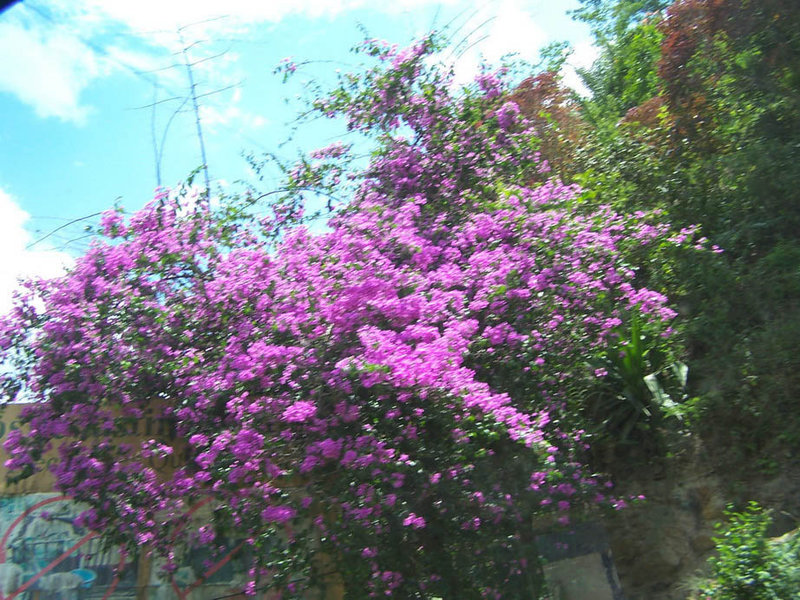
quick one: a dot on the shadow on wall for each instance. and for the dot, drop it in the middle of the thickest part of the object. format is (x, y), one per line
(578, 564)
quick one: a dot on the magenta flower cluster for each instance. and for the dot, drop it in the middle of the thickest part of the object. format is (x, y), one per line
(390, 394)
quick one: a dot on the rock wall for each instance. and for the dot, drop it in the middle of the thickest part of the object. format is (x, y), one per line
(661, 547)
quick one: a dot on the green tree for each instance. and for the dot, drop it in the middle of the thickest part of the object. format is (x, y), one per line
(610, 19)
(695, 110)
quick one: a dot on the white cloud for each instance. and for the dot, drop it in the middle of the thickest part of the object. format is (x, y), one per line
(514, 29)
(46, 69)
(153, 66)
(496, 29)
(153, 16)
(19, 261)
(61, 46)
(583, 56)
(231, 114)
(58, 48)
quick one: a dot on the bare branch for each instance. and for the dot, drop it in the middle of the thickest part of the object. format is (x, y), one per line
(193, 95)
(64, 226)
(220, 90)
(156, 153)
(204, 21)
(212, 57)
(156, 103)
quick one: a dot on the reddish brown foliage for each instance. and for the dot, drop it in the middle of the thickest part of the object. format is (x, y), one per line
(716, 31)
(689, 27)
(647, 114)
(549, 105)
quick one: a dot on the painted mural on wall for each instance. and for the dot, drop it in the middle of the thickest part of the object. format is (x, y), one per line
(44, 555)
(202, 575)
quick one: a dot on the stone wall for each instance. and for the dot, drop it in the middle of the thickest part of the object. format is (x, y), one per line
(662, 546)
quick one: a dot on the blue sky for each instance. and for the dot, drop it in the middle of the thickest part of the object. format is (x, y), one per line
(75, 74)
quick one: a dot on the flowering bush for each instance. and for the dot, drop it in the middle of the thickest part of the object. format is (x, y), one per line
(387, 400)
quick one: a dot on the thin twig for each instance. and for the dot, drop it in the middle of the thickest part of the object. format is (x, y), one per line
(64, 226)
(193, 95)
(156, 153)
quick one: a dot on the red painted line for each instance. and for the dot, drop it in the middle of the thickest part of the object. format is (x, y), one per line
(4, 541)
(19, 519)
(51, 566)
(212, 570)
(115, 582)
(111, 587)
(199, 505)
(182, 594)
(224, 561)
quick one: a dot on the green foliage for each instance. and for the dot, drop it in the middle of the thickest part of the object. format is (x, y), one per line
(696, 112)
(749, 566)
(609, 19)
(625, 74)
(641, 385)
(554, 55)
